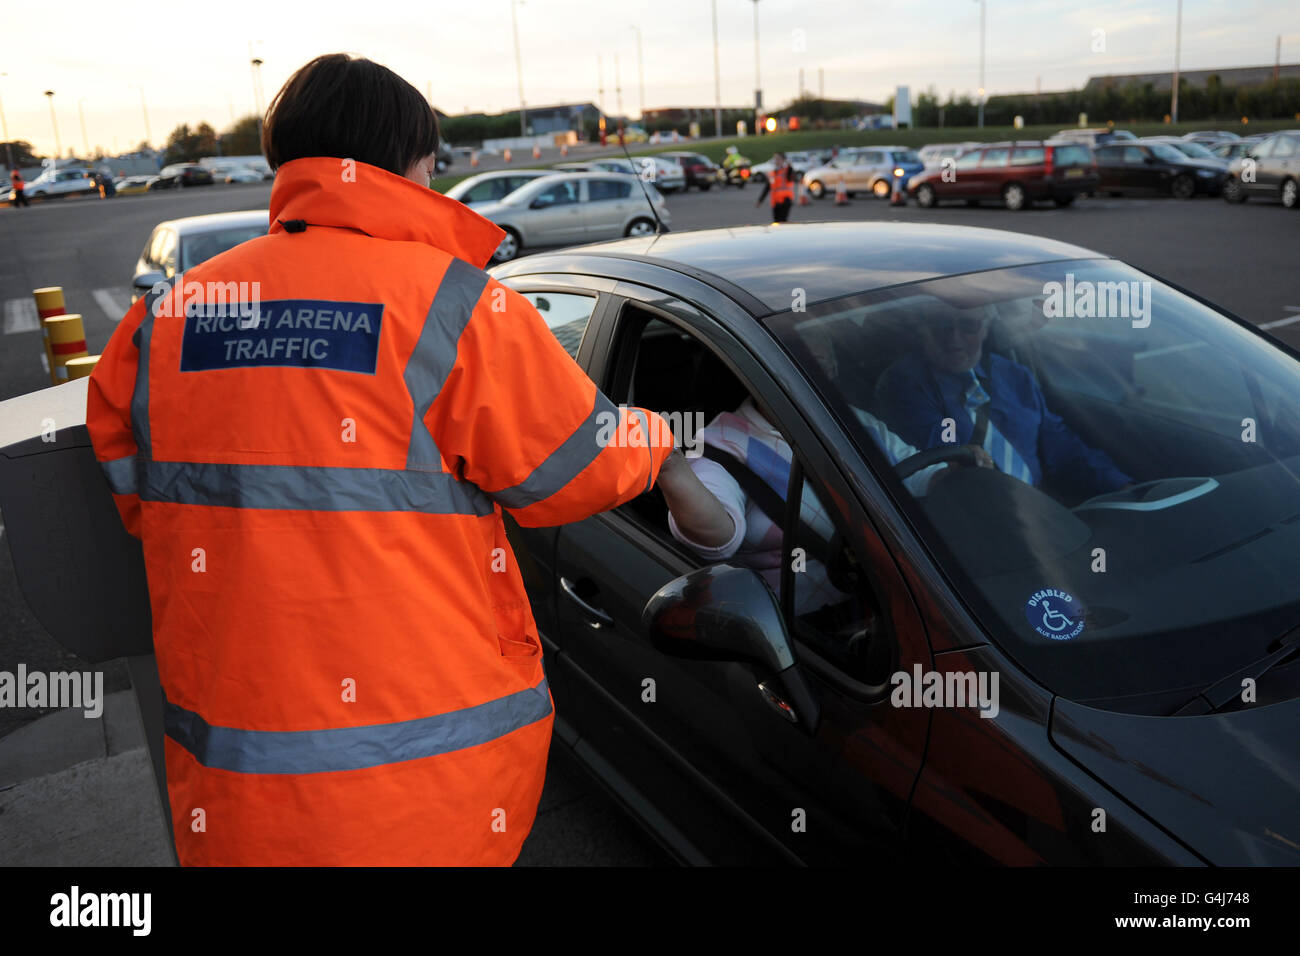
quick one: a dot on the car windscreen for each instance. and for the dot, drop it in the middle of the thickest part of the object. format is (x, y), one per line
(1137, 534)
(906, 156)
(204, 245)
(1191, 148)
(1166, 152)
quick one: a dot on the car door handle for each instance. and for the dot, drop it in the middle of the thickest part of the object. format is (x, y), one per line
(595, 616)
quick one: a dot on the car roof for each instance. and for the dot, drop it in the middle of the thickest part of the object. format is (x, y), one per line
(827, 259)
(191, 225)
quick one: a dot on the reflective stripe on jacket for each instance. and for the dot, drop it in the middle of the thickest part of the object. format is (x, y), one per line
(782, 185)
(315, 437)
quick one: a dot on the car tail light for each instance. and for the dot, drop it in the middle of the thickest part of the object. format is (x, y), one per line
(1047, 158)
(744, 174)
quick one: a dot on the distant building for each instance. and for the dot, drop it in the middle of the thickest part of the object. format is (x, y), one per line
(678, 115)
(1163, 82)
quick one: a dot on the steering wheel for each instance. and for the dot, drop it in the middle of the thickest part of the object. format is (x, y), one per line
(910, 465)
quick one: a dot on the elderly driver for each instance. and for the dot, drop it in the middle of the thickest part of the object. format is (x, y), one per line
(948, 389)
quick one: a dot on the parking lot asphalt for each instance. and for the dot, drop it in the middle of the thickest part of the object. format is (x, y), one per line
(1242, 258)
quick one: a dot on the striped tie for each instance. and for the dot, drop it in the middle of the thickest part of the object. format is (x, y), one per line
(1004, 455)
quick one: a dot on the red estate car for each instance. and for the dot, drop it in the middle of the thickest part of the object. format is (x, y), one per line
(1018, 174)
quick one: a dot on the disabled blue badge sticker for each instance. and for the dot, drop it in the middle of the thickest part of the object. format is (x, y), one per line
(1054, 613)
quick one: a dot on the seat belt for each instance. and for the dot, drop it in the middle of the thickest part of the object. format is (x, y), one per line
(981, 429)
(768, 501)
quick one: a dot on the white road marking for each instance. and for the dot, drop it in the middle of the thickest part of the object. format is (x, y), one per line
(20, 316)
(1289, 320)
(108, 301)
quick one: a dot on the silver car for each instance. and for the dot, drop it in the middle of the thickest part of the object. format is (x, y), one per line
(180, 244)
(571, 208)
(493, 186)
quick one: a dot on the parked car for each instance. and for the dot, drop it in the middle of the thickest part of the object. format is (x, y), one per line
(1016, 173)
(799, 160)
(571, 208)
(130, 185)
(495, 185)
(933, 154)
(1274, 166)
(183, 174)
(609, 164)
(700, 171)
(241, 174)
(871, 169)
(1117, 690)
(1095, 137)
(59, 183)
(1230, 149)
(667, 174)
(1194, 150)
(1127, 169)
(1207, 136)
(179, 244)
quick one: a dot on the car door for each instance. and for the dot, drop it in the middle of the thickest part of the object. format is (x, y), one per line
(1143, 172)
(866, 167)
(1283, 163)
(696, 745)
(965, 177)
(607, 206)
(555, 215)
(993, 172)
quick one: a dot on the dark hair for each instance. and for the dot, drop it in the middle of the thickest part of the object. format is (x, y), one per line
(352, 108)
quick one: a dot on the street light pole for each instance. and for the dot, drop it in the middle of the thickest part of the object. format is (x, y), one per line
(58, 146)
(519, 69)
(1178, 43)
(758, 83)
(717, 77)
(640, 73)
(85, 140)
(4, 127)
(981, 104)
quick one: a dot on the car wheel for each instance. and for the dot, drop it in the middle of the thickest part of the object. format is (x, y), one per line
(509, 247)
(1290, 194)
(1013, 197)
(817, 189)
(880, 189)
(1182, 187)
(1063, 201)
(640, 227)
(925, 196)
(1233, 190)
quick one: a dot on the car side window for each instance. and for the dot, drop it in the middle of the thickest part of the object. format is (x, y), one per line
(167, 252)
(559, 194)
(602, 189)
(1027, 156)
(1134, 155)
(994, 157)
(969, 160)
(1283, 146)
(566, 314)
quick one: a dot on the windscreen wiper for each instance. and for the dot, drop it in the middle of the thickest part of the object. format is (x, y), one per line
(1223, 692)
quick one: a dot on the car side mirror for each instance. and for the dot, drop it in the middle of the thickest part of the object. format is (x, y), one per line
(145, 281)
(728, 613)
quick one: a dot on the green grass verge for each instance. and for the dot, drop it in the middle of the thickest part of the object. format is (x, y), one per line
(761, 148)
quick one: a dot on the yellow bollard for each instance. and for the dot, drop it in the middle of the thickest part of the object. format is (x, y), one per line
(49, 301)
(67, 341)
(81, 367)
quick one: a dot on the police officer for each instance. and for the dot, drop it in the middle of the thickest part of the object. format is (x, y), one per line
(352, 673)
(780, 186)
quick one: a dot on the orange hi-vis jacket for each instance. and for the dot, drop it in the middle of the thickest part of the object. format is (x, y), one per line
(314, 435)
(782, 185)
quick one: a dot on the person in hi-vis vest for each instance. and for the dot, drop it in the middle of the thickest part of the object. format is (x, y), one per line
(315, 435)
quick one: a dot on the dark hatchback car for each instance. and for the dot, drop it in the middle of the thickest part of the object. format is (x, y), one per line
(1017, 174)
(1155, 169)
(1267, 170)
(981, 669)
(182, 174)
(699, 169)
(743, 723)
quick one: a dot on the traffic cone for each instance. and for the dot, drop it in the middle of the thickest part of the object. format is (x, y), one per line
(896, 197)
(473, 158)
(803, 193)
(537, 151)
(841, 193)
(506, 155)
(564, 149)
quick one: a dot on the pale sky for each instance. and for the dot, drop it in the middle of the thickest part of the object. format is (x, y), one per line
(192, 60)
